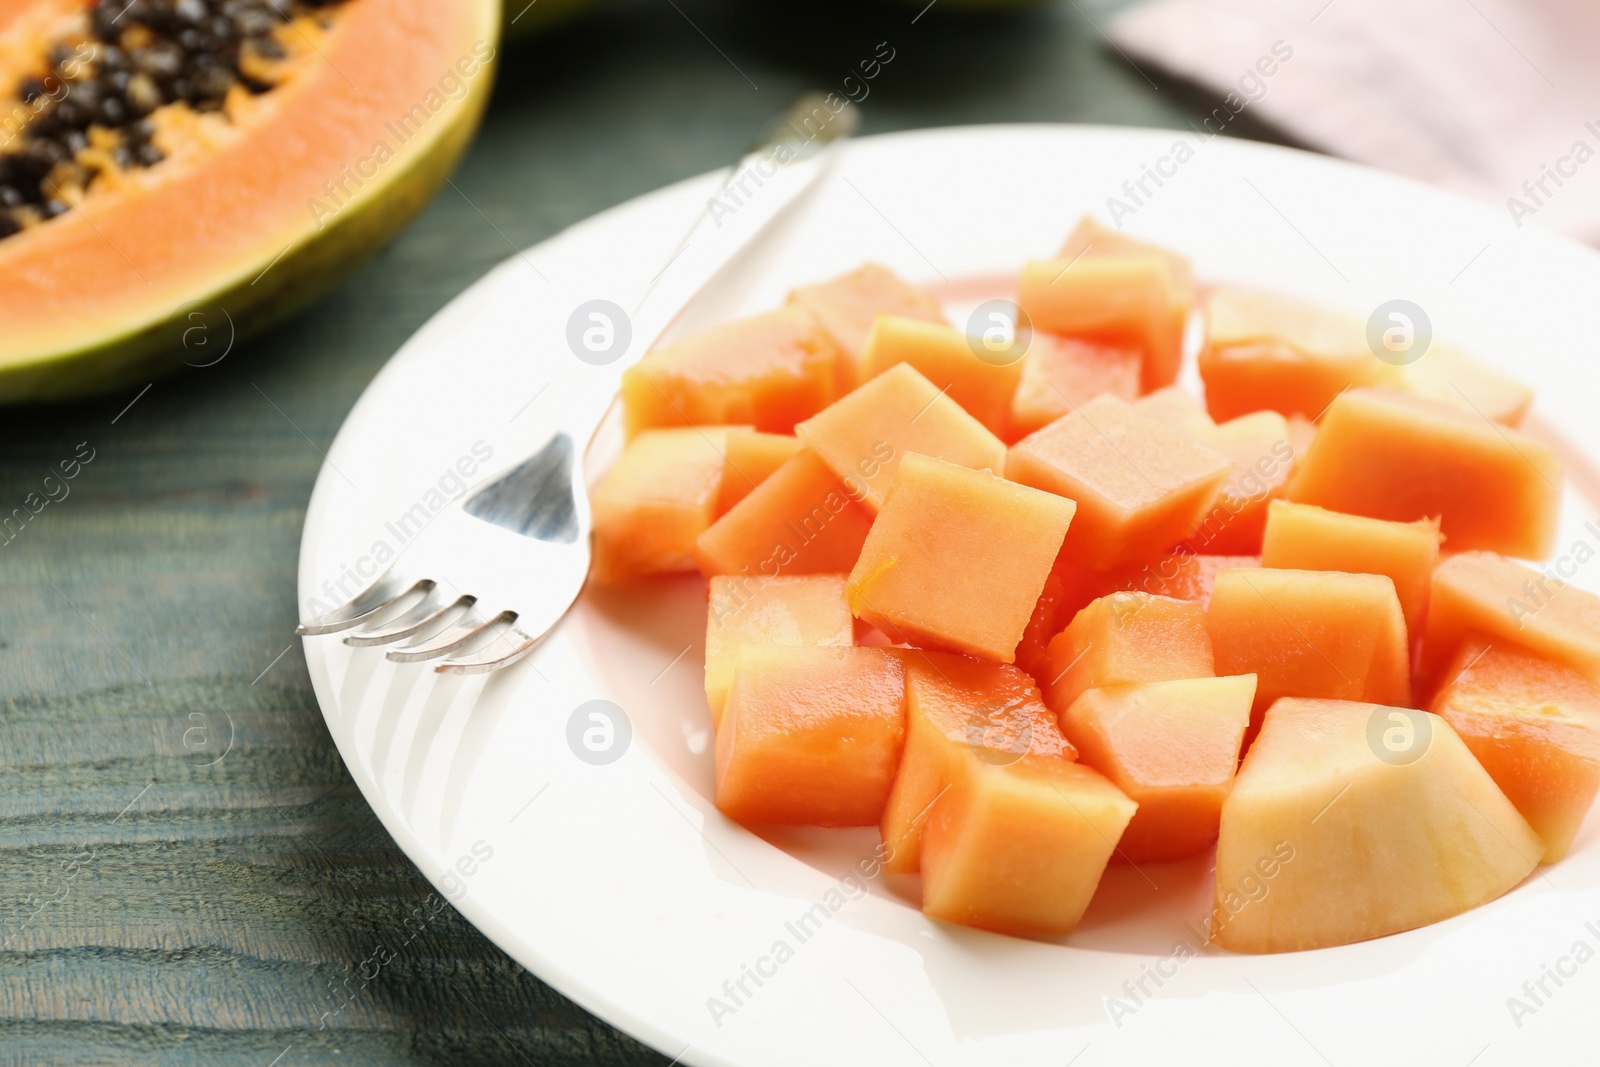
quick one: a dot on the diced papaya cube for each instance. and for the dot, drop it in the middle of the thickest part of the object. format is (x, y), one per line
(946, 357)
(848, 305)
(1172, 747)
(1182, 575)
(1060, 374)
(1328, 838)
(1534, 724)
(959, 707)
(750, 459)
(1450, 375)
(1510, 603)
(1311, 634)
(768, 371)
(800, 520)
(1309, 538)
(1390, 455)
(657, 498)
(1019, 848)
(1063, 596)
(1140, 486)
(1173, 405)
(1260, 449)
(1121, 297)
(1268, 351)
(783, 612)
(1090, 238)
(1236, 314)
(864, 435)
(1274, 376)
(1198, 578)
(957, 558)
(811, 736)
(1124, 638)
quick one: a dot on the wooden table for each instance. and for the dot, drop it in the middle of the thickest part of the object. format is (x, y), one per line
(187, 873)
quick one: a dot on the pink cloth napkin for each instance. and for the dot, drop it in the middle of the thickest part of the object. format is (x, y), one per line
(1497, 99)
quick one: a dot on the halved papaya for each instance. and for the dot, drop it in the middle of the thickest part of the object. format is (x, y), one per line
(210, 166)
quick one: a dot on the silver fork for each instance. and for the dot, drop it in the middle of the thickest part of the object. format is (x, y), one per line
(494, 571)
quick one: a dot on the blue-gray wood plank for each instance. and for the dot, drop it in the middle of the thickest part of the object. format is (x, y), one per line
(157, 907)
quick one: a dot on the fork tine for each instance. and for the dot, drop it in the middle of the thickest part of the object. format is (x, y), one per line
(418, 618)
(364, 605)
(503, 651)
(452, 638)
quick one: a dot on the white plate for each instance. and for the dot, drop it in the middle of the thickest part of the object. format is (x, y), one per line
(620, 884)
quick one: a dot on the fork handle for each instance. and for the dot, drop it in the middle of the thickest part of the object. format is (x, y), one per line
(753, 194)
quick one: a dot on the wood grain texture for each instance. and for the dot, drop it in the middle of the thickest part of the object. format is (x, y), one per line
(187, 874)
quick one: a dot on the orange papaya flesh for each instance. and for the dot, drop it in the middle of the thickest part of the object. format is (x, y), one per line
(1534, 725)
(959, 707)
(1391, 455)
(811, 736)
(863, 436)
(1314, 634)
(1059, 374)
(768, 371)
(799, 520)
(1173, 748)
(847, 307)
(957, 558)
(1140, 486)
